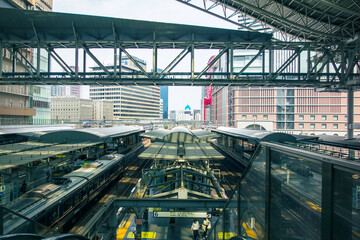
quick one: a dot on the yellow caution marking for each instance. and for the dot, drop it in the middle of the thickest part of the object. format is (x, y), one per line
(143, 235)
(356, 233)
(120, 234)
(249, 231)
(228, 235)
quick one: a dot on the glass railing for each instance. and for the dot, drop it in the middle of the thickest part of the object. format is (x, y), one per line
(292, 193)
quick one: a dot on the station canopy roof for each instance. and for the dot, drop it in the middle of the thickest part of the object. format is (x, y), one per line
(88, 134)
(179, 134)
(58, 30)
(37, 154)
(35, 129)
(193, 152)
(254, 136)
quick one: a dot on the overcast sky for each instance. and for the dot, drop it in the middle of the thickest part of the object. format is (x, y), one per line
(169, 11)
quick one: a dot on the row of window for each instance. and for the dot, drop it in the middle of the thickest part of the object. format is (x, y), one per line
(323, 117)
(323, 126)
(265, 117)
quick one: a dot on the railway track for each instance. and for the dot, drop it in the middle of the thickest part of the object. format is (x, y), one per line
(230, 171)
(120, 189)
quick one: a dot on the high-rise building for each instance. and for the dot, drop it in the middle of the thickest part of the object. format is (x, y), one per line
(130, 102)
(164, 95)
(25, 104)
(65, 91)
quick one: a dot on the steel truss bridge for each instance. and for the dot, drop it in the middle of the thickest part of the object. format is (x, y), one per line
(328, 65)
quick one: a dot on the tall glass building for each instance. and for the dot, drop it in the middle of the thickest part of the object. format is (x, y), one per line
(164, 95)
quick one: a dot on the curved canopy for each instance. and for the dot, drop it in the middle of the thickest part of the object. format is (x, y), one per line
(255, 135)
(88, 135)
(317, 20)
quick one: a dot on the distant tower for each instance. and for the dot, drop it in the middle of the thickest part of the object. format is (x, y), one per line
(164, 95)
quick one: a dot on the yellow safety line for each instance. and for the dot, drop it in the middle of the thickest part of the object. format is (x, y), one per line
(120, 234)
(249, 231)
(356, 233)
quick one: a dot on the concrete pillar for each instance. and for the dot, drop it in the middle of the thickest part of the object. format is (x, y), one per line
(350, 113)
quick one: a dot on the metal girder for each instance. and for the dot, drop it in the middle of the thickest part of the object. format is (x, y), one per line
(96, 60)
(212, 63)
(19, 61)
(134, 61)
(60, 61)
(177, 203)
(251, 61)
(174, 62)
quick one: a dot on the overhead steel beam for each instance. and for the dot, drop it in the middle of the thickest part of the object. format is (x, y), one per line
(175, 61)
(134, 61)
(96, 60)
(178, 203)
(61, 62)
(212, 63)
(19, 61)
(251, 61)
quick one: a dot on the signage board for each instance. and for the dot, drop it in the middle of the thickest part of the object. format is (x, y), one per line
(158, 214)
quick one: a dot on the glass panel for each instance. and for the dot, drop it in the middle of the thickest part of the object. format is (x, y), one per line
(280, 125)
(253, 192)
(280, 109)
(295, 211)
(289, 101)
(289, 117)
(280, 117)
(346, 219)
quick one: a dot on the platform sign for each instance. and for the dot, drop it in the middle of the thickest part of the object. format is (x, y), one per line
(182, 214)
(228, 235)
(143, 235)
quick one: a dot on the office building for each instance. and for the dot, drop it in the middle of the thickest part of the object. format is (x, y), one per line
(71, 109)
(103, 110)
(130, 102)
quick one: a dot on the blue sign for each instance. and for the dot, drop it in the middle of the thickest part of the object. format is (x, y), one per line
(188, 107)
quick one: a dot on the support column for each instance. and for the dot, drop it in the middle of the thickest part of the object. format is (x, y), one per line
(192, 62)
(120, 62)
(76, 61)
(49, 64)
(38, 60)
(1, 56)
(14, 63)
(350, 113)
(84, 63)
(154, 59)
(115, 59)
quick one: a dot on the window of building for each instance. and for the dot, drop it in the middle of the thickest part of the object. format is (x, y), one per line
(335, 118)
(345, 117)
(301, 117)
(312, 117)
(323, 125)
(335, 126)
(244, 117)
(312, 125)
(254, 116)
(266, 117)
(301, 125)
(323, 117)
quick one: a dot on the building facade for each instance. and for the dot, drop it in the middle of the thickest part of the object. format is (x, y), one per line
(292, 110)
(103, 110)
(71, 109)
(130, 102)
(25, 104)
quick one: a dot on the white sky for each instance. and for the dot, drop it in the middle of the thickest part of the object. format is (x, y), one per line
(169, 11)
